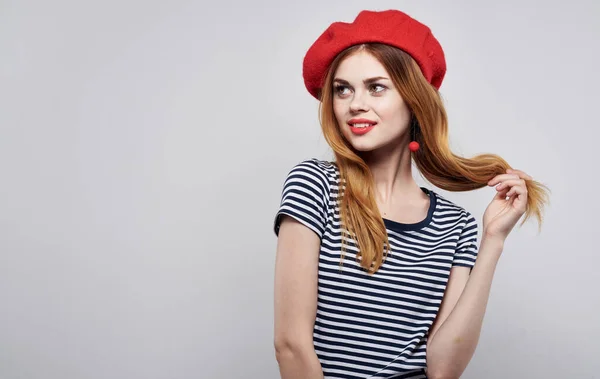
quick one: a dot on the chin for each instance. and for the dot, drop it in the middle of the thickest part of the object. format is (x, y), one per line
(367, 145)
(364, 148)
(364, 145)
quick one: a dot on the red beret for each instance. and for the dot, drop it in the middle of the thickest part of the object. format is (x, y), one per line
(390, 27)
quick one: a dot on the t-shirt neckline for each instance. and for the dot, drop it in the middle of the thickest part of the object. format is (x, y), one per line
(399, 226)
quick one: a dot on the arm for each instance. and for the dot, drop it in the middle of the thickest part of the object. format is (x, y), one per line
(455, 333)
(454, 336)
(296, 268)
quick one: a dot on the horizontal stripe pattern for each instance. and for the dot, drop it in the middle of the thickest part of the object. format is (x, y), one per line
(376, 326)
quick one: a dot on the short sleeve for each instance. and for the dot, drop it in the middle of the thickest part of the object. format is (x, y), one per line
(466, 248)
(305, 197)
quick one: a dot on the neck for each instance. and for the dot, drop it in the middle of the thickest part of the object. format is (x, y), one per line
(392, 173)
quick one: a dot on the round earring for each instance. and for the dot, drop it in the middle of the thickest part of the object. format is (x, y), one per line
(413, 146)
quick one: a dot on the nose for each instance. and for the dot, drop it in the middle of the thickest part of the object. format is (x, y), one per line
(359, 102)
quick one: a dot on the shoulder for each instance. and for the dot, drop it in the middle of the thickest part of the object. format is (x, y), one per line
(306, 194)
(324, 172)
(323, 167)
(454, 210)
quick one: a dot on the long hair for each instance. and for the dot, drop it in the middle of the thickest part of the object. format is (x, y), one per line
(359, 214)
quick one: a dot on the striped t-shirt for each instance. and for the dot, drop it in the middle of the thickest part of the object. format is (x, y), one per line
(376, 326)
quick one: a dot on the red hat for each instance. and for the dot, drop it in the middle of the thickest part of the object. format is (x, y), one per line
(391, 27)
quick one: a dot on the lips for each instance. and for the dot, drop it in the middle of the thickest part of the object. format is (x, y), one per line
(361, 126)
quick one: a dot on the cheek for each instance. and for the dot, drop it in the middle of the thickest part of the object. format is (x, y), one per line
(338, 111)
(396, 114)
(337, 107)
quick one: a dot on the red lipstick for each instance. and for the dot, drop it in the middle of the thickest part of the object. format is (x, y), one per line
(362, 128)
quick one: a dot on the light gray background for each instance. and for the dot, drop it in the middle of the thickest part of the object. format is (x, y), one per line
(144, 145)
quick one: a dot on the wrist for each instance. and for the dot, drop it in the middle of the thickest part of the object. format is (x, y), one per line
(492, 242)
(495, 238)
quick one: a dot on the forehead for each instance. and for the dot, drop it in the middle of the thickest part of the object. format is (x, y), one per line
(360, 65)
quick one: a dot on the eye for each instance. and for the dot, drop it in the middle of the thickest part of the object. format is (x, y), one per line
(382, 87)
(339, 88)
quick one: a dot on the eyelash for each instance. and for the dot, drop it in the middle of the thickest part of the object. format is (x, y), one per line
(341, 86)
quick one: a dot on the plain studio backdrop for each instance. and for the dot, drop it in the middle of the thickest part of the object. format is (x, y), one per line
(143, 149)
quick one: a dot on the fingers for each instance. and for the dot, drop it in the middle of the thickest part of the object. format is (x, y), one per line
(511, 183)
(512, 188)
(519, 190)
(501, 194)
(520, 173)
(501, 178)
(511, 174)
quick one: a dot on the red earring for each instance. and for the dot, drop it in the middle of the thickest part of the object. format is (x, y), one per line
(414, 129)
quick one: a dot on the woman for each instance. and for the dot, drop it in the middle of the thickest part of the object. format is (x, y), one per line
(375, 276)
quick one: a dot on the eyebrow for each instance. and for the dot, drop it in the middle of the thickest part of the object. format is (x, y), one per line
(366, 81)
